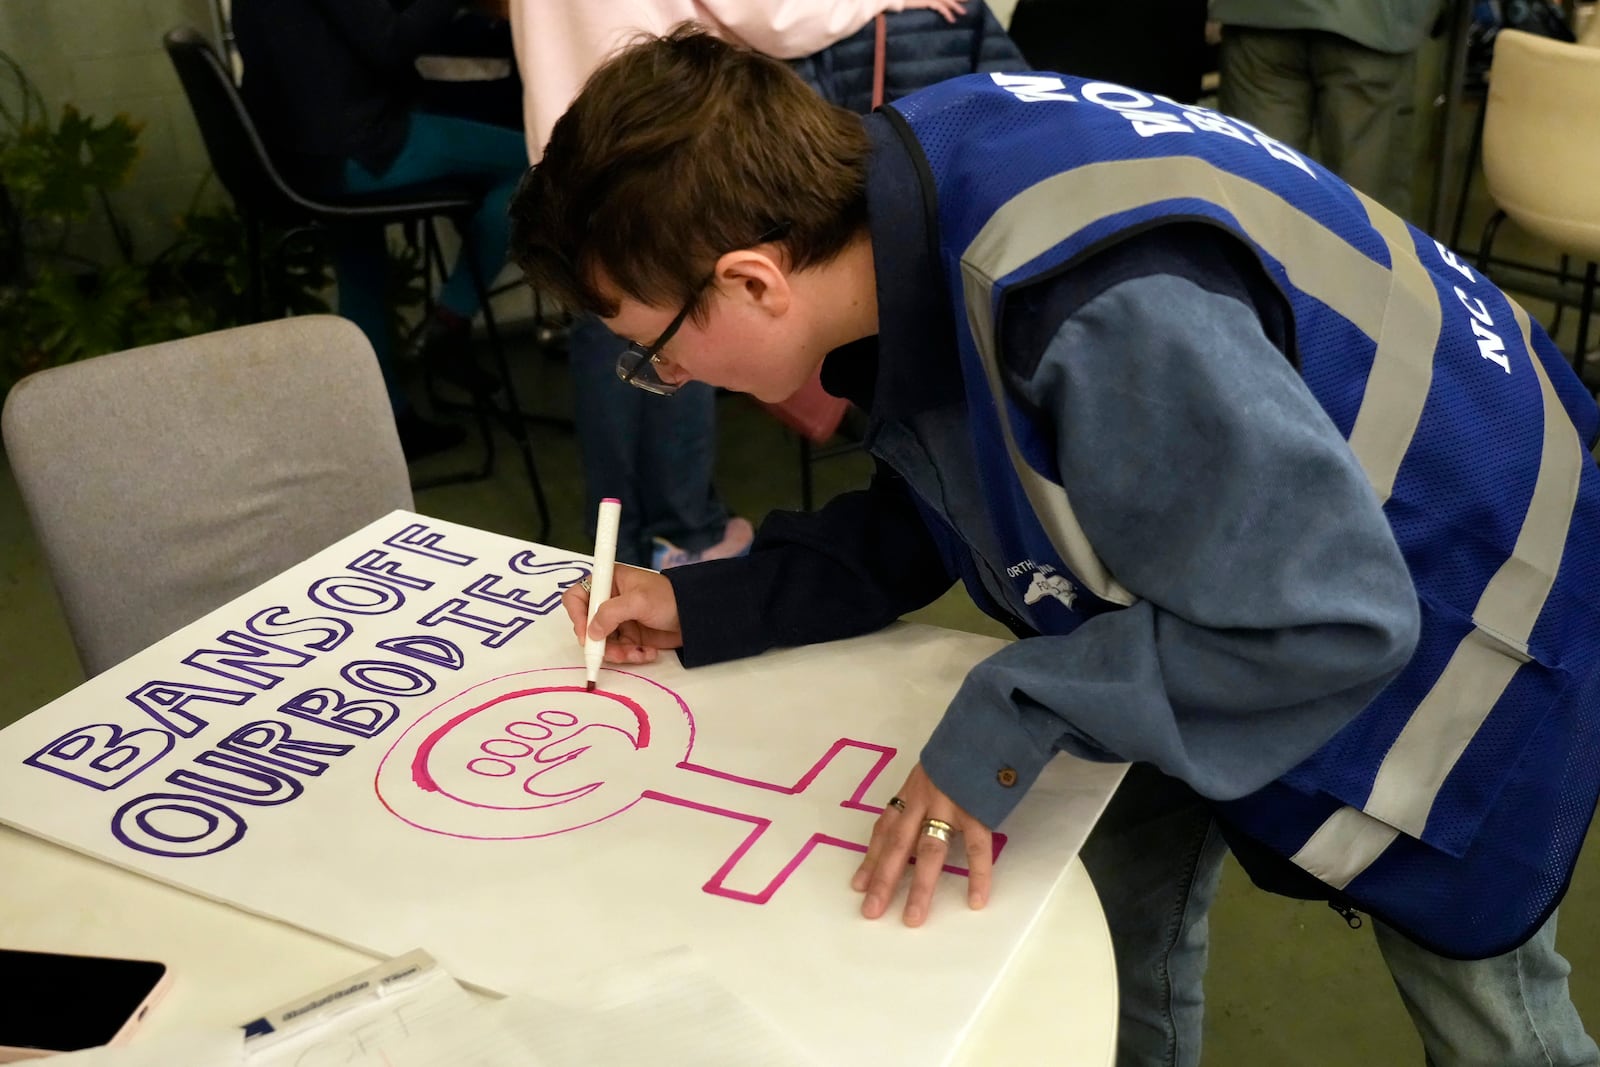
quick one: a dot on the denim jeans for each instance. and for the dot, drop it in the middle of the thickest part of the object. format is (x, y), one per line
(654, 453)
(1156, 857)
(437, 146)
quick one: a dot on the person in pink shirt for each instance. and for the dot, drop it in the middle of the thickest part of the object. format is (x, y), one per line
(658, 458)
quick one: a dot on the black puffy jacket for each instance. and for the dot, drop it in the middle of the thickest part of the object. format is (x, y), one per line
(921, 48)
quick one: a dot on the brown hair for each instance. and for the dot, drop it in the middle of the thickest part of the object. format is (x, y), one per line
(679, 149)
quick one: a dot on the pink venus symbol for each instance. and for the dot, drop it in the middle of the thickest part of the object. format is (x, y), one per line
(532, 755)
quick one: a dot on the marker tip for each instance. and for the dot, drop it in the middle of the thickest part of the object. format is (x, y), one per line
(588, 687)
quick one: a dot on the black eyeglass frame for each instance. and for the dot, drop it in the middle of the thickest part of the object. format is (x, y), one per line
(636, 364)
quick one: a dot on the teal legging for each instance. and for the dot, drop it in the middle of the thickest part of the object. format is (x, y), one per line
(436, 147)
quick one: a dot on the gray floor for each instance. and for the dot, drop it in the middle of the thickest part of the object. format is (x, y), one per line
(1290, 985)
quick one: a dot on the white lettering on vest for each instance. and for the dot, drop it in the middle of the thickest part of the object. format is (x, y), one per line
(1450, 258)
(1034, 87)
(1479, 312)
(1211, 122)
(1140, 111)
(1278, 150)
(1134, 106)
(1490, 346)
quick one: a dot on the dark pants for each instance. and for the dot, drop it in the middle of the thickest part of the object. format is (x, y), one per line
(1357, 103)
(436, 147)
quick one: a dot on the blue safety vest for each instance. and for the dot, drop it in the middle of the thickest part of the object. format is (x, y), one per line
(1454, 805)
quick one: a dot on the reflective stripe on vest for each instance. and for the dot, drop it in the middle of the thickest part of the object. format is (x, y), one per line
(1478, 672)
(1399, 310)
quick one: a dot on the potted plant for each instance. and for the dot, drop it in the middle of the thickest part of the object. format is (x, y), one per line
(58, 305)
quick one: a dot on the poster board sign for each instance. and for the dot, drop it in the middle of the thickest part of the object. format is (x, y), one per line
(390, 745)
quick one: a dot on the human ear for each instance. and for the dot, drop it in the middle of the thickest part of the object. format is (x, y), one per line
(756, 278)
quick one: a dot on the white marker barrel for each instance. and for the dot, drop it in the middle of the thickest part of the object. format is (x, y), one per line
(605, 558)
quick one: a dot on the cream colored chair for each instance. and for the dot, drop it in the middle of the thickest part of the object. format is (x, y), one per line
(1590, 38)
(1541, 153)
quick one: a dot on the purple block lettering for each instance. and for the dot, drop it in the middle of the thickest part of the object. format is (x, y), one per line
(484, 589)
(355, 595)
(499, 631)
(101, 755)
(425, 542)
(429, 648)
(172, 824)
(564, 572)
(269, 741)
(323, 633)
(379, 564)
(374, 676)
(252, 782)
(245, 655)
(165, 702)
(364, 717)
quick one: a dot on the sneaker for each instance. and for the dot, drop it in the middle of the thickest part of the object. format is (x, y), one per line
(736, 538)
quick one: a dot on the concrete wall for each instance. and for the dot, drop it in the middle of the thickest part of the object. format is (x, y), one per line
(105, 57)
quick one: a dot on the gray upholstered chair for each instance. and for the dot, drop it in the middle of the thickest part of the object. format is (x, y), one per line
(164, 481)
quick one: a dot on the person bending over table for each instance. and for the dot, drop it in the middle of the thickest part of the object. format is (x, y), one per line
(1285, 503)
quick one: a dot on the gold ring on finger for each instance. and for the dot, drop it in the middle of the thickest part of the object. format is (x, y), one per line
(939, 829)
(583, 583)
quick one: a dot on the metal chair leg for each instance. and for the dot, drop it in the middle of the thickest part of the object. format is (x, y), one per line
(1474, 152)
(515, 420)
(1486, 243)
(1585, 313)
(481, 408)
(1561, 286)
(255, 287)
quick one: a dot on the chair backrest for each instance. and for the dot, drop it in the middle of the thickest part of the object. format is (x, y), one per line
(232, 142)
(1541, 139)
(1590, 37)
(222, 32)
(164, 481)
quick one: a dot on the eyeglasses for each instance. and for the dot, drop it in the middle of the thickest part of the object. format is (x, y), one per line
(639, 365)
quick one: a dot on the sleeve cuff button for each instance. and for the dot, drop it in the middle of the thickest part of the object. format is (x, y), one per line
(1006, 777)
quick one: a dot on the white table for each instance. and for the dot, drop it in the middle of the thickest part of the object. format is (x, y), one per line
(756, 727)
(1056, 1003)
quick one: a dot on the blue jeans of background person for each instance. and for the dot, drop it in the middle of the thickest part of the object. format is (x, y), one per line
(1156, 857)
(654, 453)
(437, 147)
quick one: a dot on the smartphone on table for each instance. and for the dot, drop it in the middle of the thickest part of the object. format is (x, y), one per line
(53, 1002)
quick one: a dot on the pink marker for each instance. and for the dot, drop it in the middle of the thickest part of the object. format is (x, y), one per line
(605, 560)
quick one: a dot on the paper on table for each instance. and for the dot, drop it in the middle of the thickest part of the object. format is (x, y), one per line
(366, 1014)
(666, 1008)
(214, 1048)
(662, 1008)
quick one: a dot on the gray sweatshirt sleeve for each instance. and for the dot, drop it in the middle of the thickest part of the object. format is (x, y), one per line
(1274, 600)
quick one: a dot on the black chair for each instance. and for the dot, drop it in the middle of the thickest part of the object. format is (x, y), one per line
(261, 195)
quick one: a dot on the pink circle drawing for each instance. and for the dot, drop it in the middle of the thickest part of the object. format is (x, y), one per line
(533, 754)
